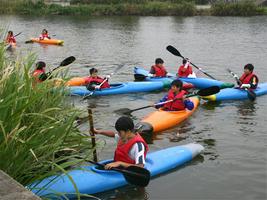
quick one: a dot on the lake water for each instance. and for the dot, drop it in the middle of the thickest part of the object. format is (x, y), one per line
(233, 164)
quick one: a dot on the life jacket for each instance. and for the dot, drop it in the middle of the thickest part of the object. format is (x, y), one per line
(159, 71)
(123, 149)
(36, 74)
(10, 40)
(185, 73)
(97, 81)
(175, 105)
(246, 79)
(44, 36)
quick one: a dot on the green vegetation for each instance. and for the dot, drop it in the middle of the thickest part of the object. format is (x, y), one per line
(131, 7)
(247, 8)
(37, 133)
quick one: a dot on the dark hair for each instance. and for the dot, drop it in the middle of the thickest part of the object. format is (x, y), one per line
(249, 66)
(40, 65)
(124, 124)
(92, 70)
(10, 32)
(159, 61)
(185, 60)
(44, 30)
(177, 83)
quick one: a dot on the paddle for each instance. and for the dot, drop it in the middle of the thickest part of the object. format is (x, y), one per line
(204, 92)
(175, 52)
(115, 71)
(134, 175)
(64, 63)
(92, 132)
(250, 93)
(17, 34)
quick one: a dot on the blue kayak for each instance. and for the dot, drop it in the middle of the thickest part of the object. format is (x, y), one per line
(90, 180)
(236, 93)
(200, 83)
(120, 88)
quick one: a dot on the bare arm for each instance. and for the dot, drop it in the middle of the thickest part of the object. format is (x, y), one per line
(105, 132)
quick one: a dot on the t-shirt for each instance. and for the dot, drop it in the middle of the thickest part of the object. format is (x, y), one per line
(137, 151)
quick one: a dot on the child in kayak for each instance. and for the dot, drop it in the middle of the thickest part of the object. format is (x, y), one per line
(94, 82)
(180, 102)
(185, 70)
(158, 70)
(10, 39)
(249, 79)
(131, 147)
(39, 73)
(44, 35)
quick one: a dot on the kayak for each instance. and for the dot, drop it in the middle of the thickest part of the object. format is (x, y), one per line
(90, 180)
(161, 120)
(119, 88)
(80, 81)
(47, 41)
(200, 83)
(236, 93)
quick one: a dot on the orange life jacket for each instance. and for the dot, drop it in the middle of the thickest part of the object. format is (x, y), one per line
(123, 149)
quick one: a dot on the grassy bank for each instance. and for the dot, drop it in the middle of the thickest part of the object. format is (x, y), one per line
(37, 133)
(130, 7)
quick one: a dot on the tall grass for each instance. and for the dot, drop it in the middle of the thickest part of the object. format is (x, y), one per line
(37, 133)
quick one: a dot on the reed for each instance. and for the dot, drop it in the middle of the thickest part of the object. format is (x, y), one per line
(37, 133)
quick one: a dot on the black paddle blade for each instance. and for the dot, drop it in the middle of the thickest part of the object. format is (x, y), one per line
(174, 51)
(28, 41)
(251, 95)
(139, 77)
(209, 91)
(67, 61)
(139, 176)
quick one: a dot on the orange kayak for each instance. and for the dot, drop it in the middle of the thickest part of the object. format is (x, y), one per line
(50, 41)
(161, 120)
(76, 81)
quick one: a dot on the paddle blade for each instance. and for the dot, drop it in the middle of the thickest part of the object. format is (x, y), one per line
(67, 61)
(174, 51)
(28, 41)
(139, 176)
(209, 91)
(251, 95)
(139, 77)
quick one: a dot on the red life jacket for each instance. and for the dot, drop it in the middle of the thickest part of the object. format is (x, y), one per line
(10, 40)
(97, 80)
(36, 74)
(176, 104)
(185, 73)
(246, 79)
(122, 150)
(159, 71)
(44, 36)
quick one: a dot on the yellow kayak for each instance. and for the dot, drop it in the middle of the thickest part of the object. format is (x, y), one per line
(48, 41)
(161, 120)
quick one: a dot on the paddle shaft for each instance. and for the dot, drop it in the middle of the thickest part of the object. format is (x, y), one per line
(124, 171)
(17, 34)
(92, 132)
(175, 52)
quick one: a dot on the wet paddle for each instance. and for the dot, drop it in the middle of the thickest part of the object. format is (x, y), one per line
(204, 92)
(134, 175)
(175, 52)
(115, 71)
(250, 93)
(17, 34)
